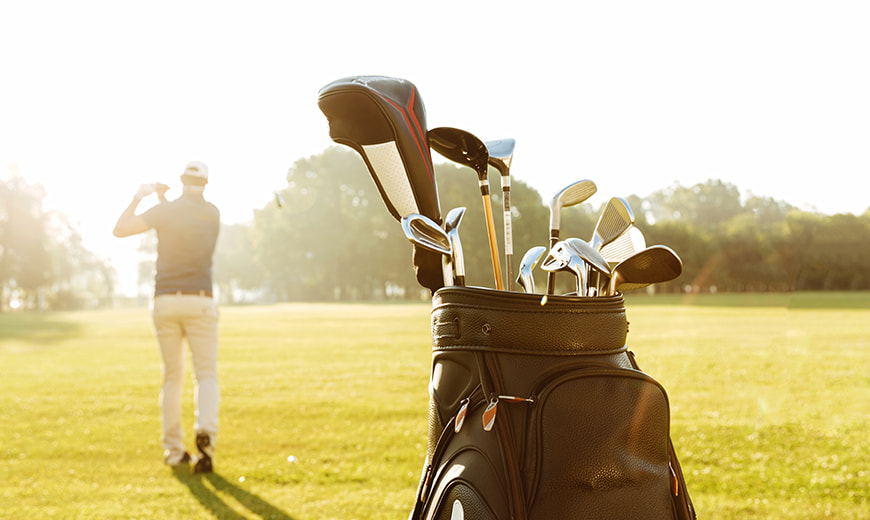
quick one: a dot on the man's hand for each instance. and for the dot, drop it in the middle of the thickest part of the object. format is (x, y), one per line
(161, 191)
(145, 190)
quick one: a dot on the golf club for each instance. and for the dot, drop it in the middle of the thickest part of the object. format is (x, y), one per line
(563, 257)
(501, 153)
(615, 219)
(465, 148)
(425, 233)
(451, 227)
(594, 260)
(654, 264)
(568, 196)
(625, 245)
(526, 278)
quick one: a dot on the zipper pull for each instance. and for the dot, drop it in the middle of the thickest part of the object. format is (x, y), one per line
(489, 414)
(460, 416)
(515, 399)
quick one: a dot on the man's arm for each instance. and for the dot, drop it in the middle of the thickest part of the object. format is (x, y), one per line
(129, 223)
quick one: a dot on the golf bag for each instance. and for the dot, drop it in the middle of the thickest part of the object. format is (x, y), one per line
(540, 412)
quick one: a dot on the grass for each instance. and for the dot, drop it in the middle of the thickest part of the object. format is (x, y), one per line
(770, 400)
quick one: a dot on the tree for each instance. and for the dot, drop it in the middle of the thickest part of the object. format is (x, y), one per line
(235, 268)
(25, 262)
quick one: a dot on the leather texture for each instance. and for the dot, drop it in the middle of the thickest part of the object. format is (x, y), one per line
(578, 431)
(478, 318)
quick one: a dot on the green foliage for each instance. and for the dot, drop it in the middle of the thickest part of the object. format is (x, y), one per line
(768, 392)
(333, 239)
(42, 260)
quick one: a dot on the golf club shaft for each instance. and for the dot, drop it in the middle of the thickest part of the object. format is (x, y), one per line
(493, 247)
(508, 233)
(551, 277)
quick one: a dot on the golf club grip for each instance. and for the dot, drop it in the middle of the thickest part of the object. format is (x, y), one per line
(508, 234)
(493, 247)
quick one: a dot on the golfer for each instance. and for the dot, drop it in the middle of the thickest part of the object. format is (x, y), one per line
(183, 307)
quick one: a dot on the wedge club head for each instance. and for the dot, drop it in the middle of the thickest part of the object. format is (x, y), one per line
(625, 245)
(563, 257)
(655, 264)
(568, 196)
(614, 220)
(526, 278)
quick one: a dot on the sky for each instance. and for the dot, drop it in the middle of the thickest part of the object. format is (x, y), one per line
(97, 97)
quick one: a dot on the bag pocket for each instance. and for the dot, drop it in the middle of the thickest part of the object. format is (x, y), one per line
(597, 447)
(464, 478)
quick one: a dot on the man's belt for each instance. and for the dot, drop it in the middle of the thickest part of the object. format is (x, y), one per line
(207, 294)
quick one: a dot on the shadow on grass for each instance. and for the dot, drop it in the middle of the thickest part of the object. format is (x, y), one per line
(208, 488)
(42, 328)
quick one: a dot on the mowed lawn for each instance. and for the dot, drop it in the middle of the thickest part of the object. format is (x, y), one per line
(324, 409)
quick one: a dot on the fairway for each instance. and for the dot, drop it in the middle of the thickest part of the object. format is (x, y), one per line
(324, 409)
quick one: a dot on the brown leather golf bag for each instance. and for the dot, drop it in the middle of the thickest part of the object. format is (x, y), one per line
(540, 412)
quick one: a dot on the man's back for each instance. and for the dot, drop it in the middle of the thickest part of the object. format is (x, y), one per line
(187, 230)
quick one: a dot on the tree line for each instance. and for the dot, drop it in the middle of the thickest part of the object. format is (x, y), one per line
(332, 239)
(43, 262)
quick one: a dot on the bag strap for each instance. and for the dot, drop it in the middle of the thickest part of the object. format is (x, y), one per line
(503, 430)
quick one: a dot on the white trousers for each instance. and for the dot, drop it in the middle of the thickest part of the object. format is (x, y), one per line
(177, 317)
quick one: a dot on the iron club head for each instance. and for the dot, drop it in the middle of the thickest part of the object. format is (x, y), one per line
(526, 278)
(654, 264)
(563, 257)
(625, 245)
(568, 196)
(615, 219)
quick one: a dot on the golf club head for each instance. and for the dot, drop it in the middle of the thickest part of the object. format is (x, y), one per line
(526, 278)
(563, 257)
(568, 196)
(501, 152)
(655, 264)
(451, 227)
(589, 255)
(625, 245)
(453, 219)
(460, 147)
(615, 219)
(465, 148)
(424, 232)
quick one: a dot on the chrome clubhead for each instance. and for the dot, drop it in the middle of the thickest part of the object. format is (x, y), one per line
(526, 278)
(615, 219)
(563, 257)
(655, 264)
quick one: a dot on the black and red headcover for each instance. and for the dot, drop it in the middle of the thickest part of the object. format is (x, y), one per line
(384, 120)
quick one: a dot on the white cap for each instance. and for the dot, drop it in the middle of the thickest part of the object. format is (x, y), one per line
(196, 169)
